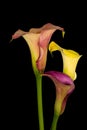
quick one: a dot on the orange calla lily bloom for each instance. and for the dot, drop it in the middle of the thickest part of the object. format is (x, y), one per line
(37, 40)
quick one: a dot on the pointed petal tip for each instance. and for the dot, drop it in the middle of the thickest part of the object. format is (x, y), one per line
(10, 40)
(63, 34)
(18, 34)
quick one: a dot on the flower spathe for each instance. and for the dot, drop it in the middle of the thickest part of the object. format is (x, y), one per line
(70, 59)
(64, 87)
(37, 40)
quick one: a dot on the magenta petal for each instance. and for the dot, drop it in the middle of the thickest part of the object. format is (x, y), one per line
(63, 78)
(64, 87)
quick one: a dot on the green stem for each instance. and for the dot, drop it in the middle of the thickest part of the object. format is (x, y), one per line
(39, 101)
(54, 122)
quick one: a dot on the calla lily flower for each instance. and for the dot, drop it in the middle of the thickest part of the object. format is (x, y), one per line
(64, 87)
(70, 59)
(37, 40)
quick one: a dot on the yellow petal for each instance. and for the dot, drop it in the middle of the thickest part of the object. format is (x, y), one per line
(63, 34)
(54, 47)
(70, 59)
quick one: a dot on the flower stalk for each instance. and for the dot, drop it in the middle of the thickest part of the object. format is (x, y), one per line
(39, 101)
(54, 122)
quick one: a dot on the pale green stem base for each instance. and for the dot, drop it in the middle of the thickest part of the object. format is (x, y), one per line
(39, 101)
(54, 122)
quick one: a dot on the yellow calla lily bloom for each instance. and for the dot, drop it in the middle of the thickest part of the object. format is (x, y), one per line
(70, 59)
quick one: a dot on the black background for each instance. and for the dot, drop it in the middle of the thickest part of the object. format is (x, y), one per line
(18, 101)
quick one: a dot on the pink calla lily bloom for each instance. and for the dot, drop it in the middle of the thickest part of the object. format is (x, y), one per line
(38, 40)
(64, 87)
